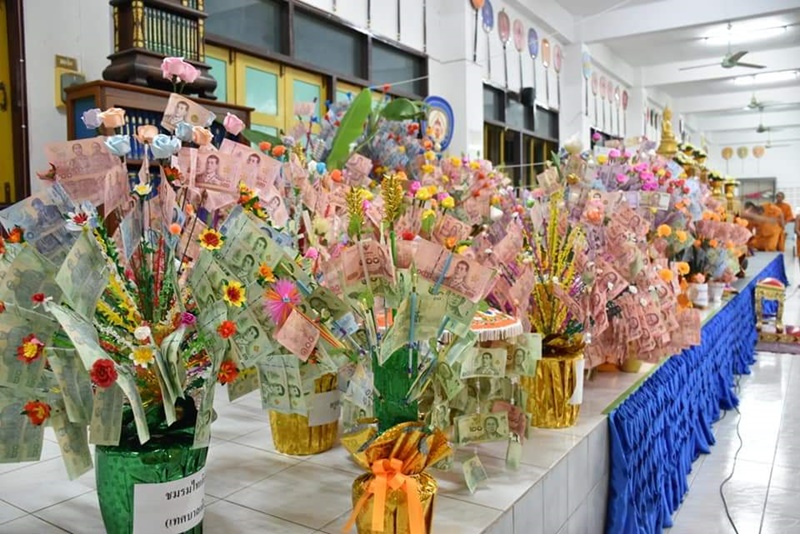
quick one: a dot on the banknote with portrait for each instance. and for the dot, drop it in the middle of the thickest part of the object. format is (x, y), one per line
(482, 427)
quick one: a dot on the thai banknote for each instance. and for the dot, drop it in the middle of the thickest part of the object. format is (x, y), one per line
(294, 385)
(451, 229)
(106, 424)
(455, 272)
(84, 275)
(474, 473)
(74, 383)
(484, 362)
(367, 265)
(16, 325)
(274, 384)
(41, 216)
(448, 379)
(523, 356)
(298, 335)
(73, 442)
(482, 427)
(30, 273)
(246, 382)
(20, 440)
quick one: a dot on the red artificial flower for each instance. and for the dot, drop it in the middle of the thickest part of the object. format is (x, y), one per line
(2, 306)
(15, 236)
(226, 329)
(30, 349)
(37, 412)
(2, 246)
(227, 372)
(386, 87)
(408, 235)
(38, 298)
(103, 373)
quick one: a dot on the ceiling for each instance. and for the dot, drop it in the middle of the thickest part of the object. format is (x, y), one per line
(659, 39)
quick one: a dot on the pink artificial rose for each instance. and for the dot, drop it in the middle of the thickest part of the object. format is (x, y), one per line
(414, 187)
(233, 124)
(202, 136)
(640, 167)
(596, 137)
(176, 67)
(613, 153)
(312, 253)
(647, 176)
(622, 178)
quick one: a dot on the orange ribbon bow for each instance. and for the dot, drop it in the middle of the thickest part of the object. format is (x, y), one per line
(389, 475)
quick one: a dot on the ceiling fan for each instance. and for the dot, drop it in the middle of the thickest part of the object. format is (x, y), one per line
(730, 60)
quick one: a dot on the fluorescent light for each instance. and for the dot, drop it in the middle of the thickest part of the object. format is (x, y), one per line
(767, 77)
(739, 35)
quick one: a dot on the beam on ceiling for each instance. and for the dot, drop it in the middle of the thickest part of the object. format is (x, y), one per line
(738, 138)
(736, 100)
(670, 73)
(662, 16)
(750, 121)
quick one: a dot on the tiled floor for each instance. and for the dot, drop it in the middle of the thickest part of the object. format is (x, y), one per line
(763, 495)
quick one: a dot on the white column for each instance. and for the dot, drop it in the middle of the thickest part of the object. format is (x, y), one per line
(637, 102)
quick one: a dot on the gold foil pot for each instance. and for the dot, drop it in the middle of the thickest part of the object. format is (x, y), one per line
(395, 516)
(550, 390)
(291, 433)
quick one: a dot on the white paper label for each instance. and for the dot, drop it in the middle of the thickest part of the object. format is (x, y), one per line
(325, 408)
(577, 395)
(169, 507)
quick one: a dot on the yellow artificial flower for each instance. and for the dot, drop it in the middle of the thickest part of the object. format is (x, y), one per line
(462, 249)
(423, 193)
(143, 356)
(664, 231)
(681, 235)
(234, 294)
(428, 213)
(428, 168)
(474, 165)
(666, 275)
(210, 239)
(455, 161)
(430, 155)
(449, 203)
(683, 268)
(661, 172)
(602, 159)
(143, 189)
(265, 272)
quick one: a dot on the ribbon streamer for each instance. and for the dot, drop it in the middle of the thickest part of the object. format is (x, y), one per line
(389, 476)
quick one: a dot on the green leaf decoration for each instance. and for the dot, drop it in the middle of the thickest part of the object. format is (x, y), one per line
(350, 129)
(402, 109)
(254, 136)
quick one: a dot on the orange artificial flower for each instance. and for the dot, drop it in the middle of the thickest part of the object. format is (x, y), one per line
(278, 151)
(697, 242)
(210, 239)
(37, 412)
(174, 228)
(226, 329)
(30, 350)
(450, 243)
(663, 231)
(263, 146)
(234, 294)
(666, 275)
(189, 210)
(684, 285)
(713, 243)
(15, 235)
(227, 372)
(683, 268)
(336, 176)
(265, 273)
(683, 301)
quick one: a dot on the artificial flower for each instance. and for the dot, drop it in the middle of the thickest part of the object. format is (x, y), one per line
(118, 145)
(321, 225)
(278, 151)
(407, 235)
(178, 70)
(202, 136)
(227, 372)
(2, 306)
(448, 203)
(281, 298)
(233, 124)
(143, 190)
(210, 239)
(264, 146)
(91, 118)
(184, 131)
(146, 133)
(622, 178)
(37, 412)
(30, 350)
(713, 243)
(414, 186)
(226, 329)
(614, 153)
(305, 109)
(602, 159)
(428, 213)
(16, 235)
(312, 253)
(112, 117)
(174, 229)
(142, 356)
(163, 146)
(681, 235)
(428, 168)
(84, 216)
(142, 333)
(666, 275)
(188, 318)
(423, 194)
(663, 231)
(38, 298)
(49, 175)
(234, 293)
(103, 373)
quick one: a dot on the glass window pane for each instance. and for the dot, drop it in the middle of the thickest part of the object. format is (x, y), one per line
(515, 114)
(390, 65)
(254, 22)
(265, 129)
(326, 45)
(307, 92)
(344, 96)
(261, 91)
(219, 70)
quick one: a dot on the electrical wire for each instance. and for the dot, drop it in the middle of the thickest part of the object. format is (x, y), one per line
(735, 457)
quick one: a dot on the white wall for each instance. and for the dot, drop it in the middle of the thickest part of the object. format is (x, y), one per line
(82, 29)
(778, 162)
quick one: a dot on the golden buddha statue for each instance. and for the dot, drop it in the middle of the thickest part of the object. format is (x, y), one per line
(669, 145)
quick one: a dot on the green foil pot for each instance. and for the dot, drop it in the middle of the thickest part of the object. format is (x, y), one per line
(118, 470)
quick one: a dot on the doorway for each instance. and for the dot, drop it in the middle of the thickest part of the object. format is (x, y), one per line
(14, 184)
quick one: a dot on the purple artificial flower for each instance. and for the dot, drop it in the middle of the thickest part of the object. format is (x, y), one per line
(188, 319)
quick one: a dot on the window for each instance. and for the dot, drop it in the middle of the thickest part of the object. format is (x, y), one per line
(391, 65)
(257, 23)
(493, 107)
(493, 144)
(217, 59)
(328, 45)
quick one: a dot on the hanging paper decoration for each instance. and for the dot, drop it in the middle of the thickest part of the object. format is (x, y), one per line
(616, 105)
(476, 5)
(727, 154)
(758, 153)
(487, 18)
(624, 113)
(519, 44)
(586, 64)
(742, 152)
(610, 98)
(504, 29)
(533, 50)
(558, 60)
(546, 64)
(603, 83)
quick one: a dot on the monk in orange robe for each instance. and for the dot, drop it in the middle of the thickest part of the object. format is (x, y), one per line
(767, 221)
(788, 216)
